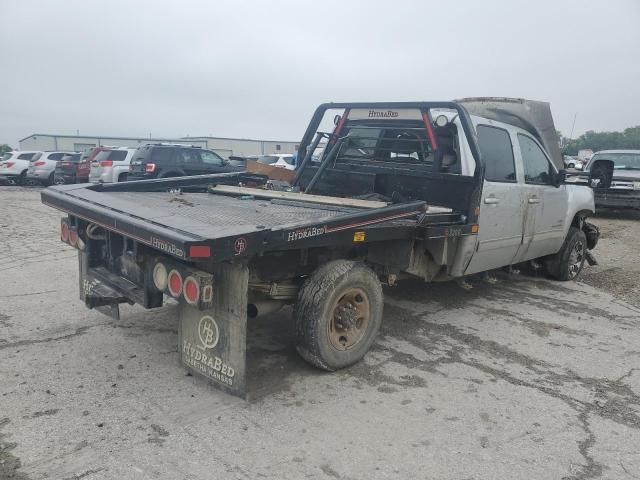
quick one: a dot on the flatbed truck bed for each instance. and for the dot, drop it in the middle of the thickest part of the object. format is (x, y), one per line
(239, 245)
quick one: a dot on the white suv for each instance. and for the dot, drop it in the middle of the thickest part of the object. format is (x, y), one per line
(42, 169)
(111, 166)
(14, 166)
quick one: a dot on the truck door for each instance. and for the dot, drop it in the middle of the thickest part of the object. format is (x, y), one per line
(503, 202)
(546, 204)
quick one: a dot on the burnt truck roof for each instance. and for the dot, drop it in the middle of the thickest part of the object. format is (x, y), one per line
(531, 115)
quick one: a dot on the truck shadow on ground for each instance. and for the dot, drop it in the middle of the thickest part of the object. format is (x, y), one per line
(272, 360)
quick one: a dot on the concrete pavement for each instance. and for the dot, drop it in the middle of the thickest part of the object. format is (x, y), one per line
(529, 379)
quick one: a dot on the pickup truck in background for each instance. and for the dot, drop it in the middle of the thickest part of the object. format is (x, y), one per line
(615, 177)
(429, 190)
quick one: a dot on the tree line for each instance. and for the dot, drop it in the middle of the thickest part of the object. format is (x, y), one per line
(629, 139)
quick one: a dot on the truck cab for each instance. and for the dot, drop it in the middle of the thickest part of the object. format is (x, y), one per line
(526, 209)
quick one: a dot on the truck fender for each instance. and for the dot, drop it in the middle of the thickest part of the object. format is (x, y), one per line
(581, 204)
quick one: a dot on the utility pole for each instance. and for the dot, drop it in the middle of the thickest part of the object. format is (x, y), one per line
(572, 126)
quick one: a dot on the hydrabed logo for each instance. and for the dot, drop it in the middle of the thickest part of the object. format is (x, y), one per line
(383, 114)
(306, 233)
(166, 247)
(208, 332)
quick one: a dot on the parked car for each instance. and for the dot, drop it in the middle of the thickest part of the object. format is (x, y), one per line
(159, 161)
(276, 160)
(43, 169)
(78, 172)
(66, 168)
(573, 162)
(111, 166)
(14, 166)
(615, 177)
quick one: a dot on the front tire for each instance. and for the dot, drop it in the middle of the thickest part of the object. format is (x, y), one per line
(338, 314)
(568, 262)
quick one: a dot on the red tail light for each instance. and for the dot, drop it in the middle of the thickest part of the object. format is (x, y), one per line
(175, 283)
(73, 237)
(64, 232)
(150, 167)
(191, 290)
(39, 163)
(106, 163)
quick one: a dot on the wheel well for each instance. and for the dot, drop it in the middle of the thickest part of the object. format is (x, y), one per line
(123, 174)
(579, 217)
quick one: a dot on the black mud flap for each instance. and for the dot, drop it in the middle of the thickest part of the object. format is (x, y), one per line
(212, 342)
(592, 232)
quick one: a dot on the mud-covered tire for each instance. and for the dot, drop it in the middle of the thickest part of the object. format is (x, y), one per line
(323, 293)
(568, 262)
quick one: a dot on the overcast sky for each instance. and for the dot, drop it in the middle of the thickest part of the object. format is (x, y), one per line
(257, 69)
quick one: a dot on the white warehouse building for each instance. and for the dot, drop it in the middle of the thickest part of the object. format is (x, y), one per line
(225, 147)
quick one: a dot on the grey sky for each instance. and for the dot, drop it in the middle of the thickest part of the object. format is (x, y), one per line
(258, 69)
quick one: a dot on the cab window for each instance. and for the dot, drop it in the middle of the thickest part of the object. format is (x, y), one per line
(497, 154)
(537, 168)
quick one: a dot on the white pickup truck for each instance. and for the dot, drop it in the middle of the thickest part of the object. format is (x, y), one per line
(430, 190)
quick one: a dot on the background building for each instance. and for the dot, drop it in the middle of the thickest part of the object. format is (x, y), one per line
(223, 146)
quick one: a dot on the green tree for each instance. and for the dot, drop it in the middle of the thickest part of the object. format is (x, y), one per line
(627, 139)
(4, 148)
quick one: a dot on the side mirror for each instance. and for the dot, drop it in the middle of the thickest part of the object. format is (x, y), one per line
(559, 178)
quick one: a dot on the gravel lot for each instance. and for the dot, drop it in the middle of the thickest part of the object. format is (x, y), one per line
(526, 379)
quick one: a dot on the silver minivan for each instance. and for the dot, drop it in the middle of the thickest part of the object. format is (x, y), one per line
(111, 166)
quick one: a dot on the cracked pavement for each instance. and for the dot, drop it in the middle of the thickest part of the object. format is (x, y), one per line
(525, 379)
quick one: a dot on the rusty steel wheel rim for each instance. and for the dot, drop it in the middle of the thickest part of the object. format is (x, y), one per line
(350, 315)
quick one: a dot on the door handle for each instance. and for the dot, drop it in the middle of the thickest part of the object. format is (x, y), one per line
(533, 200)
(491, 200)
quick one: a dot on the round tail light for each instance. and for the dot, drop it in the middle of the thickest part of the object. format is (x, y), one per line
(160, 277)
(64, 232)
(175, 283)
(73, 237)
(191, 290)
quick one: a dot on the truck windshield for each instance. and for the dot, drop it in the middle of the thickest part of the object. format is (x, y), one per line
(621, 161)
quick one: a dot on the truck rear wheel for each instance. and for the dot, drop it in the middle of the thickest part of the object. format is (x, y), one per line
(338, 314)
(568, 262)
